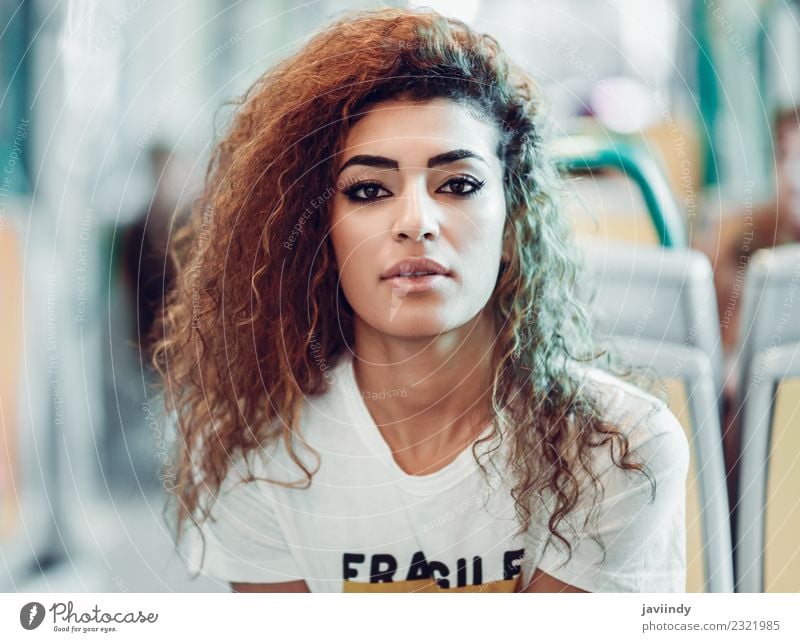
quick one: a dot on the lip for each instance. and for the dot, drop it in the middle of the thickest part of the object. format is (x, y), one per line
(411, 284)
(404, 267)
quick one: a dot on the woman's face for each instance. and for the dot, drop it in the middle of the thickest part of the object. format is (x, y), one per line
(418, 181)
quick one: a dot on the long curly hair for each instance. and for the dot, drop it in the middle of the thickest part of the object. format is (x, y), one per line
(256, 304)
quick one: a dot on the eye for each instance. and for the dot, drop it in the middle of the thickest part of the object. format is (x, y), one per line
(366, 192)
(462, 186)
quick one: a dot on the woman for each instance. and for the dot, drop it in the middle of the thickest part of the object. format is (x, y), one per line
(381, 376)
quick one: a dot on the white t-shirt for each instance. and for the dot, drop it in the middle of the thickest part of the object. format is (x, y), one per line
(366, 525)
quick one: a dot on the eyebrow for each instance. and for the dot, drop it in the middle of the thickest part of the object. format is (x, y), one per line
(383, 162)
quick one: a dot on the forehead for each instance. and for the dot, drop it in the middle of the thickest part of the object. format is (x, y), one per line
(398, 128)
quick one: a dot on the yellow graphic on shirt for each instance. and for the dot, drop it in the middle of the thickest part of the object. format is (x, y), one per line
(381, 573)
(425, 586)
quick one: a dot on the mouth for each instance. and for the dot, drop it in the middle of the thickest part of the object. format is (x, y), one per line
(415, 274)
(414, 267)
(414, 283)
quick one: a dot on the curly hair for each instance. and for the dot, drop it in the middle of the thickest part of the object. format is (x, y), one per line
(250, 306)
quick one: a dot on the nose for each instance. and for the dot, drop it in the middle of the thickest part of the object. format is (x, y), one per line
(416, 216)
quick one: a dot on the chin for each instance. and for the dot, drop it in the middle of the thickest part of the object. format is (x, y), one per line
(403, 322)
(413, 327)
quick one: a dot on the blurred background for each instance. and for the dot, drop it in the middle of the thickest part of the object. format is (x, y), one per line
(675, 125)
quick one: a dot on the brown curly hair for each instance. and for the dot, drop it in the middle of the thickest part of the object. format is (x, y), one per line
(239, 328)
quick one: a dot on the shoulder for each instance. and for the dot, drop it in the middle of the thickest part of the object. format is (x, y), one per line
(322, 433)
(631, 536)
(654, 434)
(627, 406)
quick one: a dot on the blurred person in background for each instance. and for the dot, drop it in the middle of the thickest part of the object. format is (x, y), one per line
(730, 245)
(147, 270)
(142, 271)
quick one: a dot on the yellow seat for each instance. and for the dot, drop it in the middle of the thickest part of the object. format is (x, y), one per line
(609, 207)
(695, 567)
(782, 514)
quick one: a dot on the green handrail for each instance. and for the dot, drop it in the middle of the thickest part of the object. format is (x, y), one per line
(588, 153)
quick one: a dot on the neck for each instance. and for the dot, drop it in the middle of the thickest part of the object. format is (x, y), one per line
(436, 391)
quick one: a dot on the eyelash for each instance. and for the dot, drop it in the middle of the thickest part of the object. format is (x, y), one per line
(476, 185)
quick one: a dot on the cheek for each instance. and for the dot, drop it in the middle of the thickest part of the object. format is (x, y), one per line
(344, 235)
(477, 238)
(479, 247)
(353, 245)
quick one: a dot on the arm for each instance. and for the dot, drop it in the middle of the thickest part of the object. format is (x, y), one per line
(297, 586)
(543, 583)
